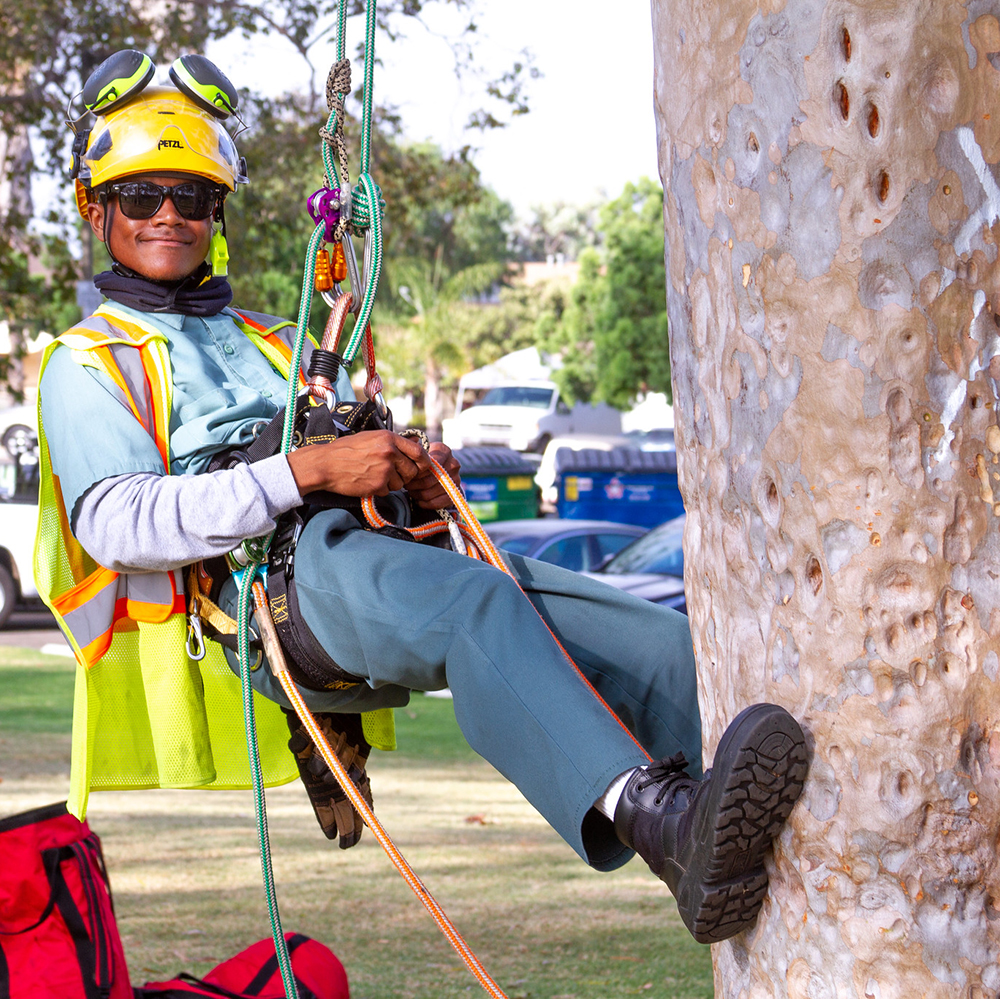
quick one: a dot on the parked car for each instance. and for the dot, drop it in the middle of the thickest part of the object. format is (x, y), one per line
(18, 508)
(525, 416)
(573, 544)
(659, 439)
(18, 521)
(652, 567)
(18, 433)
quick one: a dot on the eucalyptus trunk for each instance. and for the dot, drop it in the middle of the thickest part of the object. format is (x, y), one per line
(832, 206)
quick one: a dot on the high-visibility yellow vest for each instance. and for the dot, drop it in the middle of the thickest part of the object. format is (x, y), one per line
(144, 714)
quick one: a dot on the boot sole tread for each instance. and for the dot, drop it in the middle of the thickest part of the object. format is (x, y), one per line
(721, 893)
(723, 910)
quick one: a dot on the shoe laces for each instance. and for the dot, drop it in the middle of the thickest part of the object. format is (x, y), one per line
(671, 774)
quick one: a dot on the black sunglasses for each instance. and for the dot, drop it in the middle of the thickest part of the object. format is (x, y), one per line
(141, 199)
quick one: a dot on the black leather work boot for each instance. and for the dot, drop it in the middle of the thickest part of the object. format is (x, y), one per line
(706, 839)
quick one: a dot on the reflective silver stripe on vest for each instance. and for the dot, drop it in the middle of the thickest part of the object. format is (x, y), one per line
(96, 616)
(149, 587)
(97, 324)
(129, 362)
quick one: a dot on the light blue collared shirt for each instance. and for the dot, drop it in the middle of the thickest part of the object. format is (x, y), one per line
(222, 387)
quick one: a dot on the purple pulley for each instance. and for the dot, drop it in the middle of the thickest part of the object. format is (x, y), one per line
(324, 206)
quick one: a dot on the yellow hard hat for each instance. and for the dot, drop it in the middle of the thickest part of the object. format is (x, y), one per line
(160, 130)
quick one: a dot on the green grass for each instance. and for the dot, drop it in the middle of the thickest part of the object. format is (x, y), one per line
(36, 696)
(426, 731)
(36, 692)
(186, 873)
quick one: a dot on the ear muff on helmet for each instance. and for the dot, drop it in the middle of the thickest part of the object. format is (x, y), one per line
(206, 84)
(119, 78)
(127, 73)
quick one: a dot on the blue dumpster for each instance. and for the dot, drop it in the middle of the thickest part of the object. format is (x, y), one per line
(499, 483)
(624, 485)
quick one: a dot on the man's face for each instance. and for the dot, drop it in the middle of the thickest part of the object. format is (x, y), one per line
(166, 247)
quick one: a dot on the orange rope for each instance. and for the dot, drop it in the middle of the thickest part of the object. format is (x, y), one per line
(276, 659)
(427, 530)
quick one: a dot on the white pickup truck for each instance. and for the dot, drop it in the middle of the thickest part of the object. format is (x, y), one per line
(525, 416)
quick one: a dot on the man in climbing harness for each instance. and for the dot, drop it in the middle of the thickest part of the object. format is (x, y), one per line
(142, 408)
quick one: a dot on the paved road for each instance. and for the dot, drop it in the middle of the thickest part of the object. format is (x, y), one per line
(31, 629)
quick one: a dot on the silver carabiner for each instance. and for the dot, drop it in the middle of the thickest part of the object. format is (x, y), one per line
(455, 532)
(383, 410)
(357, 288)
(195, 644)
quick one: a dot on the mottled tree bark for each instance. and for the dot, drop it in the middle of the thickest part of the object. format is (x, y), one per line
(832, 219)
(16, 162)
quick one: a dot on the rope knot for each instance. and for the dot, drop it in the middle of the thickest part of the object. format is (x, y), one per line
(338, 82)
(361, 207)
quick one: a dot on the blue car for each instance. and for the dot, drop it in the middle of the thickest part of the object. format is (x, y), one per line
(651, 567)
(579, 545)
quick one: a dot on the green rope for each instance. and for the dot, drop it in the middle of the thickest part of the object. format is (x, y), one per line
(366, 118)
(301, 326)
(257, 779)
(371, 208)
(341, 30)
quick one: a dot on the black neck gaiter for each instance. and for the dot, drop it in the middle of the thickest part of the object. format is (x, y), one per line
(196, 295)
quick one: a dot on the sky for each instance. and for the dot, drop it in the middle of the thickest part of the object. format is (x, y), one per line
(590, 129)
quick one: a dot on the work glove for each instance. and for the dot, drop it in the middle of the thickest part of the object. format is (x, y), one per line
(334, 811)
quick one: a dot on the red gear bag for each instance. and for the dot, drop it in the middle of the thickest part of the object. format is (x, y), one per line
(254, 974)
(58, 937)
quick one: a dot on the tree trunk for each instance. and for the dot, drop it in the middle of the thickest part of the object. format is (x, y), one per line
(16, 162)
(832, 210)
(433, 400)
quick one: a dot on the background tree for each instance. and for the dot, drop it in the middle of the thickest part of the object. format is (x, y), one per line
(613, 333)
(464, 333)
(49, 47)
(438, 328)
(834, 284)
(561, 228)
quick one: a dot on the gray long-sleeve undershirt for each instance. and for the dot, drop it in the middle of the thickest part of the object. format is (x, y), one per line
(144, 522)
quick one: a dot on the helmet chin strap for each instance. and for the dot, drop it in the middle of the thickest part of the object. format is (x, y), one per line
(108, 210)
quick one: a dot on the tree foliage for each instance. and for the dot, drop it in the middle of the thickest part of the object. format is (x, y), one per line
(438, 203)
(613, 332)
(438, 210)
(37, 294)
(561, 229)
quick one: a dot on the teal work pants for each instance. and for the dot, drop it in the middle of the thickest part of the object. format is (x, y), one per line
(405, 616)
